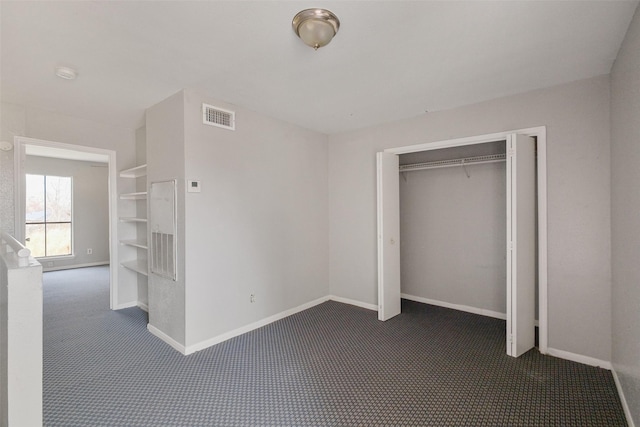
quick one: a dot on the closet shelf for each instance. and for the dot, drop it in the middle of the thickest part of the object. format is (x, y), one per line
(491, 158)
(137, 265)
(136, 243)
(136, 172)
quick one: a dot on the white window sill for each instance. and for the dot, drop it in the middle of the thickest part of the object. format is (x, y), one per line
(56, 258)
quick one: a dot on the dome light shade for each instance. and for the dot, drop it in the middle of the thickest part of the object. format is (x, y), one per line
(315, 27)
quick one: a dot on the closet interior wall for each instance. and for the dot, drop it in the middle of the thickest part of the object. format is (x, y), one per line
(453, 229)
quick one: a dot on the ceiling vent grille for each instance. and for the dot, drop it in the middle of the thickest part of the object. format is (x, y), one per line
(215, 116)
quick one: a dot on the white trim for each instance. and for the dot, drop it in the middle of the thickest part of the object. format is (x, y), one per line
(250, 327)
(166, 338)
(543, 314)
(19, 184)
(623, 400)
(353, 302)
(142, 306)
(461, 307)
(512, 247)
(19, 199)
(379, 239)
(126, 305)
(70, 266)
(470, 140)
(540, 133)
(43, 259)
(574, 357)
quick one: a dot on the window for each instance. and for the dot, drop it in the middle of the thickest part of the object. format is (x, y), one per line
(48, 215)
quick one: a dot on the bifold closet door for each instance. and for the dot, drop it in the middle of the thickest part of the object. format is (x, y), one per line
(521, 244)
(388, 188)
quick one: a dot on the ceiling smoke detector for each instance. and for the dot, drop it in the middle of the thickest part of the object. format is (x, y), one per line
(66, 73)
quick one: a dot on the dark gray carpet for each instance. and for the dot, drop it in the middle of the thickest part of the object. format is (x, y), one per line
(331, 365)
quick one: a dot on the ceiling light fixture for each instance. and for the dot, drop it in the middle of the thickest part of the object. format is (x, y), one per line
(315, 27)
(66, 73)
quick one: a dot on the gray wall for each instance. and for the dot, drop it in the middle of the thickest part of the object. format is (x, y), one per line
(258, 226)
(625, 201)
(166, 161)
(260, 223)
(90, 208)
(453, 235)
(579, 270)
(12, 123)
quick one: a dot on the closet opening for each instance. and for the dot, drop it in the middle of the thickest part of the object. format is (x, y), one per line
(460, 226)
(453, 228)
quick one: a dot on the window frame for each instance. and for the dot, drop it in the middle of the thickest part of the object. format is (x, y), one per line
(44, 222)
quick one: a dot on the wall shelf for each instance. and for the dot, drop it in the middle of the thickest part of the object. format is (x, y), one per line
(135, 243)
(140, 195)
(132, 219)
(136, 172)
(137, 265)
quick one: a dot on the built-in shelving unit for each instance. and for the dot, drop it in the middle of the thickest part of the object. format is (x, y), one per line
(137, 237)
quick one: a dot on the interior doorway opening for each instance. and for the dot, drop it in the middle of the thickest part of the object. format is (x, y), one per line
(49, 149)
(524, 249)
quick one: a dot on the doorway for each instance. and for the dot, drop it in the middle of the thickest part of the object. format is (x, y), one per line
(521, 262)
(29, 146)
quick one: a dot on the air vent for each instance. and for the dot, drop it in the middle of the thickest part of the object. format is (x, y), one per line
(163, 257)
(215, 116)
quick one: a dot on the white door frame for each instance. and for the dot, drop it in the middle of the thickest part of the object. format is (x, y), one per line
(20, 142)
(540, 133)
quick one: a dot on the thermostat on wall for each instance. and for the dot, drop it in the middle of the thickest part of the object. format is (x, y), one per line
(193, 186)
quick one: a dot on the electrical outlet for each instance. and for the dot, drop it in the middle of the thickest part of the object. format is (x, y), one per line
(89, 251)
(252, 298)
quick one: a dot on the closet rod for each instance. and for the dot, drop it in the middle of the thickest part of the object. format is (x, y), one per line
(476, 160)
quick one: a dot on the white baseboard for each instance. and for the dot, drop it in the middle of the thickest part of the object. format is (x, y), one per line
(623, 400)
(353, 302)
(71, 266)
(130, 304)
(260, 323)
(574, 357)
(126, 305)
(166, 338)
(250, 327)
(468, 309)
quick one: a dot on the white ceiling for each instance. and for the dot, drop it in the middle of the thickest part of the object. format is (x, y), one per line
(390, 60)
